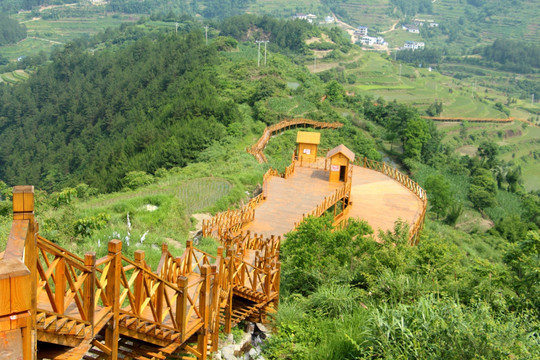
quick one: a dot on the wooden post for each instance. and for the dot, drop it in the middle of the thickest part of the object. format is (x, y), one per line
(139, 282)
(89, 287)
(60, 285)
(204, 309)
(181, 306)
(25, 284)
(268, 281)
(365, 161)
(189, 250)
(214, 328)
(161, 287)
(255, 271)
(228, 309)
(277, 284)
(112, 330)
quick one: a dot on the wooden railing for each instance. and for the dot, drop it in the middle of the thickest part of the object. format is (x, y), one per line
(257, 148)
(18, 274)
(473, 120)
(406, 181)
(52, 295)
(341, 194)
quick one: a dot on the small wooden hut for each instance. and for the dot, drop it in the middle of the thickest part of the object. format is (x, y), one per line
(341, 159)
(307, 144)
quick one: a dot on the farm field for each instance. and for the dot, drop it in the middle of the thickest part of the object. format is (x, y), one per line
(378, 76)
(45, 35)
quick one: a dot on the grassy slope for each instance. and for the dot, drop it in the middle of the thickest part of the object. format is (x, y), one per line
(518, 143)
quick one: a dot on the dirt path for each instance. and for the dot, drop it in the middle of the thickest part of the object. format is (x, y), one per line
(391, 29)
(50, 41)
(348, 28)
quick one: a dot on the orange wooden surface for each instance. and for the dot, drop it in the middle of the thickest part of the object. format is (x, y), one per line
(381, 200)
(288, 199)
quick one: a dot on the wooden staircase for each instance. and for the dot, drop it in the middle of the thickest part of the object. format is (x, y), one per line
(57, 305)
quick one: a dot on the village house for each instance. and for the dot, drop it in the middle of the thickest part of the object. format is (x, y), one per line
(361, 31)
(308, 17)
(413, 45)
(411, 28)
(370, 40)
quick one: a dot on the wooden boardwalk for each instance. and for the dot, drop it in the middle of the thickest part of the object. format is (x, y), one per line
(375, 198)
(290, 198)
(118, 308)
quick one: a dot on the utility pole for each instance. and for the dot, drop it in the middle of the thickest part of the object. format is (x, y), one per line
(258, 52)
(265, 42)
(400, 70)
(177, 28)
(314, 63)
(206, 34)
(532, 100)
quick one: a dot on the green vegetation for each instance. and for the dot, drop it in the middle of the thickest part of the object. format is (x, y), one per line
(10, 30)
(348, 296)
(134, 130)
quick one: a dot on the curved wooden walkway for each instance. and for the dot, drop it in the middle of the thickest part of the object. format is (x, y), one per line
(119, 308)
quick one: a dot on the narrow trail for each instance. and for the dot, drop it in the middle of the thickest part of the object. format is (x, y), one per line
(391, 29)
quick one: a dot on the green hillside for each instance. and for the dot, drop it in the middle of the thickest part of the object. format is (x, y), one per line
(129, 134)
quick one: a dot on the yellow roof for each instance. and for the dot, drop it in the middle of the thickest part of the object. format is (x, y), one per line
(304, 137)
(343, 150)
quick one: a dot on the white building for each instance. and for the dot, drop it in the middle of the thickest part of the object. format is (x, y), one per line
(362, 31)
(308, 17)
(329, 19)
(411, 28)
(413, 45)
(370, 40)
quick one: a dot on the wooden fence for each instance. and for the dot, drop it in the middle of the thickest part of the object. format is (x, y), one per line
(257, 148)
(51, 295)
(472, 120)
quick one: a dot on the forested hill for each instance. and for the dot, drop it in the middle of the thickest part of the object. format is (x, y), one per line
(147, 105)
(10, 30)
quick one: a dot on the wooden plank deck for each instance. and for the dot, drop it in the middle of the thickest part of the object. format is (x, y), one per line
(288, 199)
(381, 200)
(376, 198)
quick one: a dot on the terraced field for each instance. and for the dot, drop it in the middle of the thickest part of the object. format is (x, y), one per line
(380, 77)
(371, 13)
(14, 76)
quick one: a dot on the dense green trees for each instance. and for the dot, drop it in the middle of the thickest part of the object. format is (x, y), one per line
(418, 136)
(150, 104)
(283, 34)
(10, 30)
(440, 197)
(513, 55)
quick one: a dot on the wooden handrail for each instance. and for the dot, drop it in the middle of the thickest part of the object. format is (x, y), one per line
(257, 148)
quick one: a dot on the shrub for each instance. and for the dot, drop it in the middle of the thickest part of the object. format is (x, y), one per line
(135, 179)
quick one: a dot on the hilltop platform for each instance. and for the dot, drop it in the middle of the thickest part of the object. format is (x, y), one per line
(375, 197)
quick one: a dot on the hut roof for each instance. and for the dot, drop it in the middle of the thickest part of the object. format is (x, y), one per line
(341, 149)
(305, 137)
